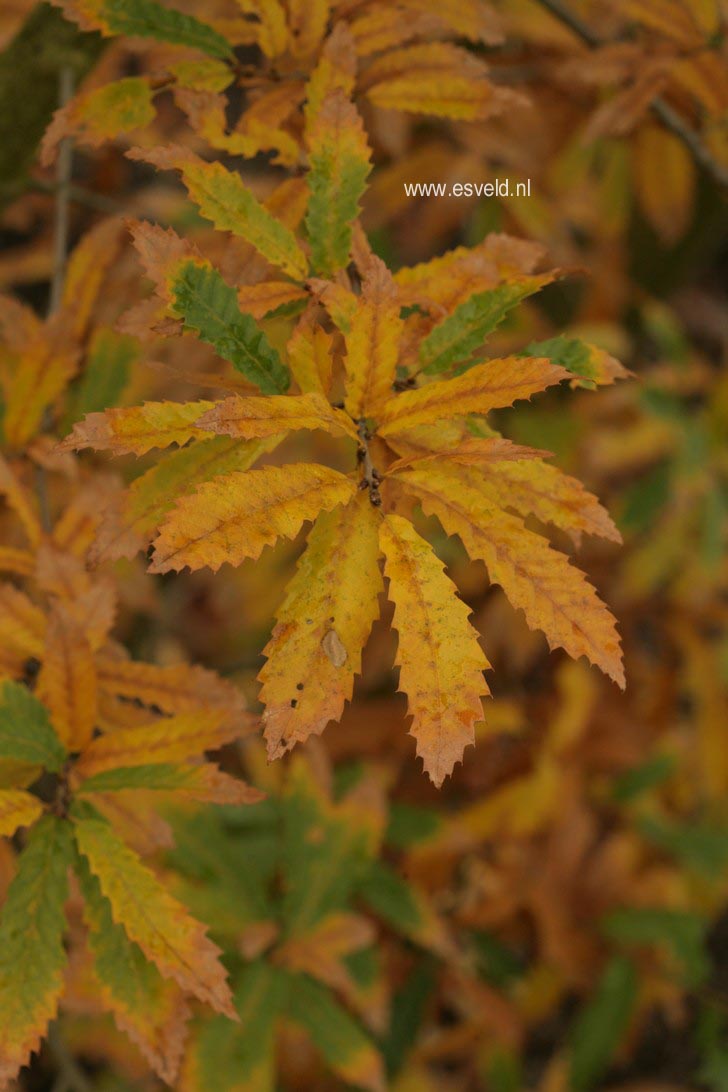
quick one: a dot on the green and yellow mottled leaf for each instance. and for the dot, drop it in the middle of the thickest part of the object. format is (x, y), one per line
(32, 956)
(147, 19)
(150, 1009)
(26, 733)
(339, 167)
(342, 1043)
(224, 199)
(151, 917)
(457, 337)
(101, 114)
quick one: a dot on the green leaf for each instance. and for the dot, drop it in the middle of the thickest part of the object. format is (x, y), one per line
(701, 845)
(32, 956)
(409, 825)
(242, 1056)
(146, 19)
(682, 933)
(26, 733)
(323, 855)
(207, 856)
(569, 352)
(389, 896)
(456, 338)
(632, 783)
(209, 307)
(601, 1024)
(106, 374)
(143, 1003)
(408, 1009)
(342, 1043)
(157, 776)
(167, 935)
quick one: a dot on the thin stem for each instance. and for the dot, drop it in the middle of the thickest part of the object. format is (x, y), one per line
(79, 195)
(666, 115)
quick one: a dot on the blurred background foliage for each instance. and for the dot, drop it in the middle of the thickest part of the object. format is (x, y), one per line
(555, 918)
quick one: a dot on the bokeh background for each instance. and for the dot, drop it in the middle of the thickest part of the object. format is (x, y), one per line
(556, 916)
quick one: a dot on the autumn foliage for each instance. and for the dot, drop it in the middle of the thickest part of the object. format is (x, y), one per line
(400, 802)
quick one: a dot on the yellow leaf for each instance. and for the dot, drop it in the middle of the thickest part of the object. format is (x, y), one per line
(436, 78)
(309, 356)
(487, 386)
(13, 560)
(135, 430)
(316, 646)
(664, 181)
(555, 597)
(336, 68)
(468, 451)
(270, 24)
(168, 936)
(307, 20)
(441, 663)
(236, 515)
(42, 371)
(176, 688)
(528, 485)
(372, 344)
(17, 809)
(67, 682)
(168, 739)
(21, 502)
(22, 624)
(256, 418)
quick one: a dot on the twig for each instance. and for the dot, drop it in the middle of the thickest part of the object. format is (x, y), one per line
(79, 195)
(662, 110)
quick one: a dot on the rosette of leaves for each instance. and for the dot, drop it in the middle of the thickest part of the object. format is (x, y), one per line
(398, 372)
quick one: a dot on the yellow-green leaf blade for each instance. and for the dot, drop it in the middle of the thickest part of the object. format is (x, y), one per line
(32, 956)
(26, 733)
(167, 935)
(339, 167)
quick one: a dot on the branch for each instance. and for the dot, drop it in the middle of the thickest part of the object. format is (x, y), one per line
(662, 110)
